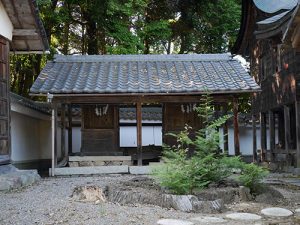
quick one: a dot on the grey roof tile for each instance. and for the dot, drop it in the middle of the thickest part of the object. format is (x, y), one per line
(143, 74)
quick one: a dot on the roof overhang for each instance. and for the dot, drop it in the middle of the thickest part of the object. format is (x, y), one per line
(28, 35)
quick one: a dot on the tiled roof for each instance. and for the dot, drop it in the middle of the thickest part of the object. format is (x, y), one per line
(148, 113)
(39, 106)
(122, 74)
(272, 6)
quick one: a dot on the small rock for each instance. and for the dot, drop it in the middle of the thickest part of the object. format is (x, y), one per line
(88, 194)
(174, 222)
(269, 195)
(297, 211)
(243, 216)
(244, 194)
(276, 212)
(181, 202)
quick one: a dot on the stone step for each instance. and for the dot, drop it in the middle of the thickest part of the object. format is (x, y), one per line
(93, 170)
(98, 158)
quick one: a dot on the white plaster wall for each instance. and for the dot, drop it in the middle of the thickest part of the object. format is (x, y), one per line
(76, 135)
(31, 138)
(6, 27)
(246, 142)
(151, 135)
(76, 140)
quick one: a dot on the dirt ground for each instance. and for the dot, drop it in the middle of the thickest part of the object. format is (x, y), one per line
(49, 203)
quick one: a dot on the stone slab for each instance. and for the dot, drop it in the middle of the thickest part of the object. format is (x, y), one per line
(66, 171)
(276, 212)
(98, 158)
(139, 170)
(243, 216)
(209, 220)
(174, 222)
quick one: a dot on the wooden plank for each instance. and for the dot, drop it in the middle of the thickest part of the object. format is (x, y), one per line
(98, 158)
(297, 111)
(272, 134)
(236, 127)
(254, 150)
(70, 135)
(263, 135)
(139, 132)
(287, 129)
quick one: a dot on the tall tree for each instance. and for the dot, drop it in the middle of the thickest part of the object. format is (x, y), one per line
(130, 27)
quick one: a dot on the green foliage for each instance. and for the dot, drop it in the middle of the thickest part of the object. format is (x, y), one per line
(133, 27)
(251, 176)
(183, 173)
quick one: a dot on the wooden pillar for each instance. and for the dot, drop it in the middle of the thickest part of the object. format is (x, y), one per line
(139, 132)
(63, 130)
(272, 134)
(236, 127)
(70, 137)
(263, 136)
(225, 132)
(287, 129)
(54, 138)
(297, 111)
(254, 138)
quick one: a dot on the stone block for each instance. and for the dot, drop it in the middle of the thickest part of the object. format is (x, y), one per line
(139, 170)
(86, 163)
(127, 162)
(99, 163)
(73, 164)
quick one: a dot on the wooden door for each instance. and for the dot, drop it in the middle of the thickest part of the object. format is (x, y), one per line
(174, 120)
(4, 102)
(100, 131)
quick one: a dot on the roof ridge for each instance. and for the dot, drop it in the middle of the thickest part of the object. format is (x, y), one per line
(142, 57)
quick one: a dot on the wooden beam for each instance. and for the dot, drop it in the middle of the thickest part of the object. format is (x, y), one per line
(70, 134)
(139, 132)
(254, 150)
(263, 136)
(130, 99)
(287, 131)
(297, 111)
(236, 127)
(25, 32)
(272, 134)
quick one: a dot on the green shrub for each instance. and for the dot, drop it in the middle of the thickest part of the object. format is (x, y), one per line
(185, 174)
(252, 176)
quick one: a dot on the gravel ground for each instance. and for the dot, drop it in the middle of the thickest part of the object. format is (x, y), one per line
(49, 203)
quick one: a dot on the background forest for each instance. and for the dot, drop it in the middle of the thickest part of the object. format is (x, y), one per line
(129, 27)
